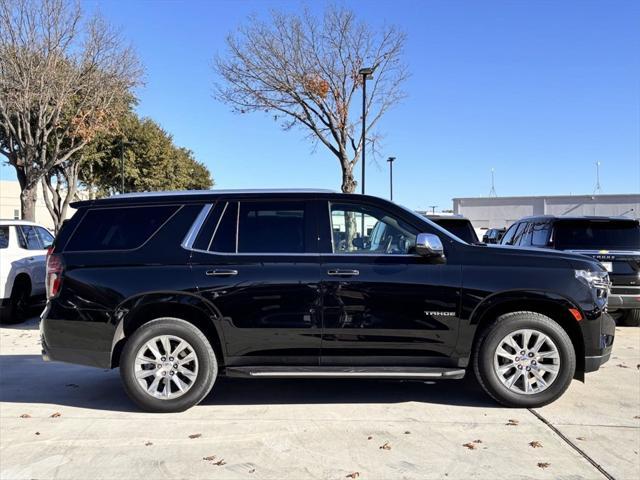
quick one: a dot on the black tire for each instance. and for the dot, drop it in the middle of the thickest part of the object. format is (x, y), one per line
(630, 318)
(18, 306)
(207, 365)
(488, 342)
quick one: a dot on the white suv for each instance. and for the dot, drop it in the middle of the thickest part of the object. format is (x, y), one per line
(23, 252)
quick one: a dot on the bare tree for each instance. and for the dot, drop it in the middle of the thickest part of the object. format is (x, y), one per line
(304, 71)
(59, 187)
(62, 80)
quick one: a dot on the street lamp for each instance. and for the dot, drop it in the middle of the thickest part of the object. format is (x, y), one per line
(367, 74)
(391, 160)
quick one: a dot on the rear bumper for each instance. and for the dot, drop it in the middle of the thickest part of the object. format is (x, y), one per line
(623, 302)
(82, 343)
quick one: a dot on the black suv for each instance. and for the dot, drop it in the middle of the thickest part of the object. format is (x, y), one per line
(614, 241)
(460, 226)
(493, 235)
(176, 289)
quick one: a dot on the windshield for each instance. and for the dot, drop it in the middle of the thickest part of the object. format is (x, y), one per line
(597, 235)
(460, 228)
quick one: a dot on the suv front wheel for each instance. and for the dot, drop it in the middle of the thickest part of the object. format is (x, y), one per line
(524, 359)
(168, 365)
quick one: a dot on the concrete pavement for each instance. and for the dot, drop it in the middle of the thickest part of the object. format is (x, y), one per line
(331, 429)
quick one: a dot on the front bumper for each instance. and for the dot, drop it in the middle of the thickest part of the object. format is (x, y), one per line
(598, 334)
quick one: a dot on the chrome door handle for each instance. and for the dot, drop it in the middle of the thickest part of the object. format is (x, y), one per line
(343, 273)
(221, 272)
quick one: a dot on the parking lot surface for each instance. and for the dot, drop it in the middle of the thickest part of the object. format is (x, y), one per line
(69, 422)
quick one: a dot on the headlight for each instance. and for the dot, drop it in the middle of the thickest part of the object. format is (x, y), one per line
(597, 281)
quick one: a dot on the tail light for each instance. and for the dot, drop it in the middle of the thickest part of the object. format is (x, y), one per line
(55, 266)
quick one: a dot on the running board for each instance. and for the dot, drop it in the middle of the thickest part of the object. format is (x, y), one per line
(346, 372)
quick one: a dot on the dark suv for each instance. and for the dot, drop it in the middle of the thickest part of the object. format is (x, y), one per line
(176, 289)
(460, 226)
(614, 241)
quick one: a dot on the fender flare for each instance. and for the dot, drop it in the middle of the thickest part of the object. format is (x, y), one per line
(127, 310)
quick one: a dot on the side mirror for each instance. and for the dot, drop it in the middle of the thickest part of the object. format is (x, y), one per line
(429, 245)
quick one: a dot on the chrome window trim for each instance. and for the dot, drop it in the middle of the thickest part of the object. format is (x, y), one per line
(191, 235)
(215, 230)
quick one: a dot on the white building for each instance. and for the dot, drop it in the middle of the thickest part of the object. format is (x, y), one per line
(489, 212)
(10, 204)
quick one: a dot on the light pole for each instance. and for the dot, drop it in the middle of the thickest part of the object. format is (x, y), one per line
(391, 160)
(367, 74)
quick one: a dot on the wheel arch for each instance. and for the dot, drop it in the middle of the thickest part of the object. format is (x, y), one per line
(140, 310)
(551, 305)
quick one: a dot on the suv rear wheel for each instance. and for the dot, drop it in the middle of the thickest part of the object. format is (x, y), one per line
(524, 359)
(168, 365)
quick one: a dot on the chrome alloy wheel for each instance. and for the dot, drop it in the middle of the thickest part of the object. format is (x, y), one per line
(166, 367)
(527, 361)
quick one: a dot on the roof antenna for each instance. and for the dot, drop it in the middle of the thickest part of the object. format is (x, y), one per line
(492, 192)
(598, 189)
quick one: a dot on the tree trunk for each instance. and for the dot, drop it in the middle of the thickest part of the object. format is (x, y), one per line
(348, 181)
(28, 197)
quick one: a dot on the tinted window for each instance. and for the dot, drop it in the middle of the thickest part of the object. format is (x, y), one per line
(460, 228)
(205, 235)
(271, 227)
(45, 237)
(30, 238)
(540, 236)
(525, 237)
(518, 234)
(118, 228)
(508, 236)
(224, 235)
(597, 235)
(4, 237)
(363, 229)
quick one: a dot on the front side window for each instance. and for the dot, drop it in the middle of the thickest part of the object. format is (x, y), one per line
(518, 234)
(360, 229)
(4, 237)
(30, 238)
(508, 236)
(120, 228)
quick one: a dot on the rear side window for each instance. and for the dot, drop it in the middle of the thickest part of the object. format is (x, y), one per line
(123, 228)
(4, 237)
(271, 227)
(540, 237)
(218, 233)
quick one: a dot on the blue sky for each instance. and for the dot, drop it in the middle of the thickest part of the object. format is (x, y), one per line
(538, 90)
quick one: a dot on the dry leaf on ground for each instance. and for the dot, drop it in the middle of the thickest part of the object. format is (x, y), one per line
(512, 423)
(353, 475)
(195, 435)
(210, 458)
(385, 446)
(470, 445)
(535, 444)
(543, 465)
(55, 415)
(220, 462)
(25, 415)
